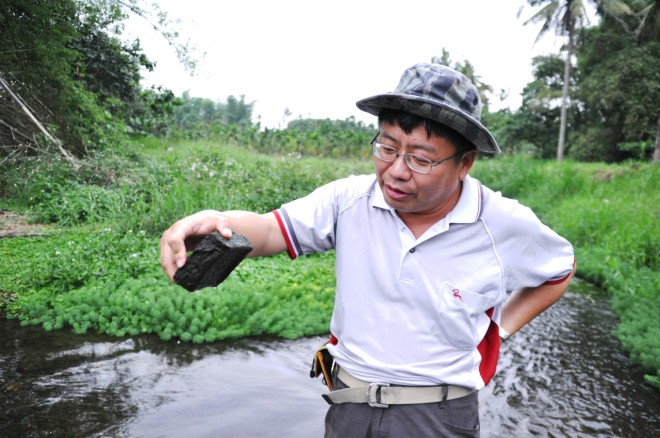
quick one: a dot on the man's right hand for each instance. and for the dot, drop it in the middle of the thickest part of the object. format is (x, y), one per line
(262, 231)
(185, 234)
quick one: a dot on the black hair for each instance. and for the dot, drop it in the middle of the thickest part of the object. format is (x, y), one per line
(408, 122)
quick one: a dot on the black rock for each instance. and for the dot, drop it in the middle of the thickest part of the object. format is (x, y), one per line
(212, 261)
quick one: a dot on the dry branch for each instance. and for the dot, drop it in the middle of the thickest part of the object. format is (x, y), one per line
(17, 99)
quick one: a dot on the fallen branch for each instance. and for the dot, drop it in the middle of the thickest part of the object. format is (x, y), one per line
(43, 130)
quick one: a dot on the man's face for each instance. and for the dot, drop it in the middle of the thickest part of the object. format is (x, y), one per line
(411, 193)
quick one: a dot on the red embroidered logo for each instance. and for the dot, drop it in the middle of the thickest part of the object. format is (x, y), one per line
(457, 294)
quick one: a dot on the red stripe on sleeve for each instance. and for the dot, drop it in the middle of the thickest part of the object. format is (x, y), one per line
(563, 279)
(289, 246)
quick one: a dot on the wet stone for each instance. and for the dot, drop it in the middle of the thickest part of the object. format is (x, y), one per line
(212, 261)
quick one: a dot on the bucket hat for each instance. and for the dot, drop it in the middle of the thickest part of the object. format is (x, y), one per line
(439, 93)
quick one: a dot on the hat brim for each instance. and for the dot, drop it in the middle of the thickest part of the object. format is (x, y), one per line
(437, 111)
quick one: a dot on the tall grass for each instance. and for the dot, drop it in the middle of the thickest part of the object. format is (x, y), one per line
(100, 271)
(168, 180)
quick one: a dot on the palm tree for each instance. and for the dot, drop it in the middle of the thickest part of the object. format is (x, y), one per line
(565, 17)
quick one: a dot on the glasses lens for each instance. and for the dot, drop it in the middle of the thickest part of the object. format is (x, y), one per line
(385, 153)
(419, 164)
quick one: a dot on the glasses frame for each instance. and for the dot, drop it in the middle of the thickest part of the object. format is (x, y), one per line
(407, 156)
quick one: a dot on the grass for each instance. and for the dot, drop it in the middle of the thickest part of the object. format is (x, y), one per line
(100, 271)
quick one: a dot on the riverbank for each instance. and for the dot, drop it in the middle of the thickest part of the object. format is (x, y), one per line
(98, 269)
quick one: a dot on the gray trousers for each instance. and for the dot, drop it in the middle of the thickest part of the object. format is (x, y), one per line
(451, 418)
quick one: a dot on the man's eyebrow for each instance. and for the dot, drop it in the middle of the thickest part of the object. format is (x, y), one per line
(387, 136)
(417, 147)
(424, 147)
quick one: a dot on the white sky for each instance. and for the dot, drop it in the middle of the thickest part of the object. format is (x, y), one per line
(318, 58)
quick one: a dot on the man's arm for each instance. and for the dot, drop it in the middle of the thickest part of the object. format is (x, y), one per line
(526, 304)
(262, 231)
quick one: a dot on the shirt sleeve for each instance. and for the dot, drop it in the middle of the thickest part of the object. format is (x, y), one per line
(308, 223)
(532, 253)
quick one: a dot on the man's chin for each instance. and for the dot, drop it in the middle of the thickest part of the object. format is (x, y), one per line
(398, 205)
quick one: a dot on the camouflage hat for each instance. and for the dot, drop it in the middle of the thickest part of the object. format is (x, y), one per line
(439, 93)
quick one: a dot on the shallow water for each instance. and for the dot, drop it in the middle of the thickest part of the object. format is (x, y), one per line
(564, 375)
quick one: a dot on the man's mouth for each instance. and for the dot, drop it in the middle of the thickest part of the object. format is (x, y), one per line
(395, 193)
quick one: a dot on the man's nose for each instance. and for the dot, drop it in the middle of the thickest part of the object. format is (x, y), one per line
(399, 168)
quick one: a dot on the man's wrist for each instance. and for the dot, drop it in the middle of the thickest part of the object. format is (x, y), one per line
(504, 335)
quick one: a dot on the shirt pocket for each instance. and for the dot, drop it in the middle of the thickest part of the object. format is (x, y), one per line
(460, 312)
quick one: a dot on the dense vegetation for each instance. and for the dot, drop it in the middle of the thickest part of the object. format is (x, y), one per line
(70, 67)
(106, 277)
(98, 270)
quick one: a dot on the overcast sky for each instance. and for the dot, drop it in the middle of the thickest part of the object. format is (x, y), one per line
(316, 59)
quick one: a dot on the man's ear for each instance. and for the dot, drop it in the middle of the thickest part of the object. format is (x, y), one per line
(467, 160)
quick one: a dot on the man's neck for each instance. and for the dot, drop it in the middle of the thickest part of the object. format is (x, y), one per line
(419, 222)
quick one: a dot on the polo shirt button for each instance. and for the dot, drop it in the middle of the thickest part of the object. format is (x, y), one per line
(412, 250)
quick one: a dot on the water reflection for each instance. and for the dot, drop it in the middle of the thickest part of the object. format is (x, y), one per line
(564, 375)
(58, 384)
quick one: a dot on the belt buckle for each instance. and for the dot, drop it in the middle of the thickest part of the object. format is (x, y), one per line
(373, 395)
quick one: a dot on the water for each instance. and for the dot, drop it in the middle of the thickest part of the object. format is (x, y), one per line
(564, 375)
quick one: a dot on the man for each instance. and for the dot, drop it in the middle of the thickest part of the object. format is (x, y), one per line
(425, 258)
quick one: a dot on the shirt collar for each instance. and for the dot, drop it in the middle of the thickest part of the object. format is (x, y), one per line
(467, 209)
(378, 198)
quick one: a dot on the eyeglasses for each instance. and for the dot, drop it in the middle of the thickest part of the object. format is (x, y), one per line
(415, 162)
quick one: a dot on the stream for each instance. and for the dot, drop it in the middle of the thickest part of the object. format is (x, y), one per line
(563, 375)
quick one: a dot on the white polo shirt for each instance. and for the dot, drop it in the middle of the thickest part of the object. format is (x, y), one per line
(422, 311)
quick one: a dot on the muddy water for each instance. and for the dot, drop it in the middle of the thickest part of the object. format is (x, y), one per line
(562, 376)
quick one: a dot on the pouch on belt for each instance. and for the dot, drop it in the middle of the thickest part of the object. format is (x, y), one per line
(322, 364)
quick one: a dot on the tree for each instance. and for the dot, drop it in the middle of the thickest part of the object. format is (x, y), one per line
(566, 17)
(644, 27)
(619, 84)
(538, 116)
(238, 112)
(197, 115)
(641, 25)
(78, 79)
(34, 38)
